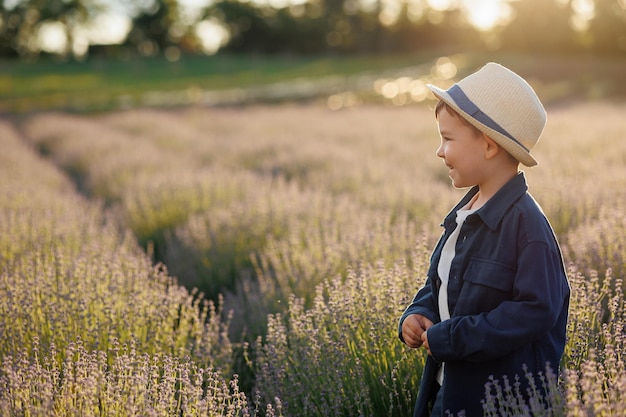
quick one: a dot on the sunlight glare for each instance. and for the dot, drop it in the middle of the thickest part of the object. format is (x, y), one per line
(11, 4)
(415, 10)
(390, 12)
(440, 5)
(191, 10)
(368, 6)
(418, 90)
(342, 100)
(279, 4)
(584, 11)
(390, 89)
(484, 15)
(108, 29)
(444, 69)
(212, 35)
(52, 37)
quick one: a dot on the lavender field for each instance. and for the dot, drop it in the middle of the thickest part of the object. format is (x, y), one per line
(254, 261)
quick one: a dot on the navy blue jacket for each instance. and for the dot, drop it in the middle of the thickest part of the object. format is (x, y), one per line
(508, 296)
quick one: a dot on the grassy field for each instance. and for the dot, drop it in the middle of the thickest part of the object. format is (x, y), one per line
(308, 230)
(98, 85)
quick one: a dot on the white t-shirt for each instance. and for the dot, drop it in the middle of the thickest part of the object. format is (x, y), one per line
(443, 269)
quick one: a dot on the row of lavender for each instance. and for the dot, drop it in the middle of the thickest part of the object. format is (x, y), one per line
(89, 326)
(94, 329)
(312, 227)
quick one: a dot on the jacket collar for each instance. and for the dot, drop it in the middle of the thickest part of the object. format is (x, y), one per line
(493, 210)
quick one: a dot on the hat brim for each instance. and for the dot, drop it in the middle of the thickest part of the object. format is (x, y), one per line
(509, 145)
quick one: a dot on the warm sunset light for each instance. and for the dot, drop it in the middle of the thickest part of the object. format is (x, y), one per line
(440, 4)
(484, 15)
(249, 208)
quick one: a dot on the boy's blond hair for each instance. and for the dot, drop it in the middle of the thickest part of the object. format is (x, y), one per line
(443, 105)
(476, 132)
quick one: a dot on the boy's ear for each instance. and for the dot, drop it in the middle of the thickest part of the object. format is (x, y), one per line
(491, 147)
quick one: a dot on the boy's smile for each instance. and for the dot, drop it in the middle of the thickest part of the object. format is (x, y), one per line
(461, 149)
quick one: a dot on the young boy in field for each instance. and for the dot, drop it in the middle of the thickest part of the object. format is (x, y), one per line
(496, 297)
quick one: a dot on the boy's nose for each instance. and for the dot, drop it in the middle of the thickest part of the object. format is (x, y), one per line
(440, 151)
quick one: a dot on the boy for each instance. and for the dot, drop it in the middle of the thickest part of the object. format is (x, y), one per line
(496, 295)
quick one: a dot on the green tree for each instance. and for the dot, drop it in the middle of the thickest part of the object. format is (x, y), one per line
(155, 26)
(264, 29)
(20, 22)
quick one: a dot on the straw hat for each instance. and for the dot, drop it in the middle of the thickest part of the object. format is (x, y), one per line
(502, 105)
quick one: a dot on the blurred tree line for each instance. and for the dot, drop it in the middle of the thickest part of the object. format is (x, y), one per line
(317, 26)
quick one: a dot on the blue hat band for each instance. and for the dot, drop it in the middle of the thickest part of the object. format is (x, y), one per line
(470, 108)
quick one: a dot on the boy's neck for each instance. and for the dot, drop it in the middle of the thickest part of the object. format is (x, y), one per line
(489, 188)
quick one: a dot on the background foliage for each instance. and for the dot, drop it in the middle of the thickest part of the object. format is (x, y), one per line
(317, 26)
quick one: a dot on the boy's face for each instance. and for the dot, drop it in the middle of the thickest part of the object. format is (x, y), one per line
(462, 150)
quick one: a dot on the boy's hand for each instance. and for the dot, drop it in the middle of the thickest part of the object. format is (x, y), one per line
(425, 342)
(412, 329)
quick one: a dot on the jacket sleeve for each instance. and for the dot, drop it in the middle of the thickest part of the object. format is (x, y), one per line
(423, 303)
(538, 295)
